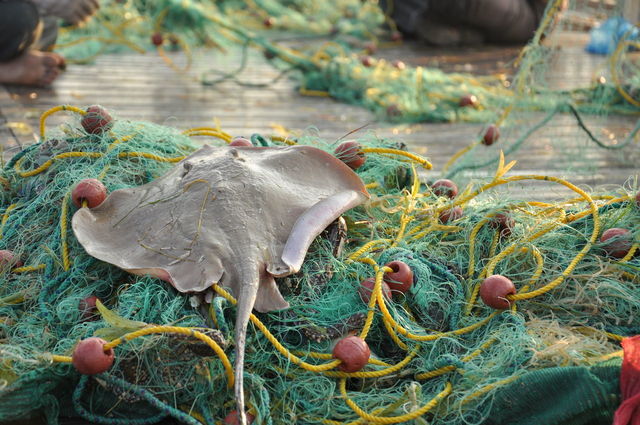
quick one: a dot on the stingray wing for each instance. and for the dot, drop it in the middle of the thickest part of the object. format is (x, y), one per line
(219, 210)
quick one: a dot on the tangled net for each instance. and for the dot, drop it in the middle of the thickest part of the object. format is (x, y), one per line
(439, 354)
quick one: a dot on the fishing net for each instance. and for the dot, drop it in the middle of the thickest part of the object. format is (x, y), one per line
(439, 354)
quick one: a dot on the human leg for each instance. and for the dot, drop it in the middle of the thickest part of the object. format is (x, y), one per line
(20, 29)
(509, 21)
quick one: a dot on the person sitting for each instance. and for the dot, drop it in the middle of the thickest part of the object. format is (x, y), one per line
(469, 22)
(27, 29)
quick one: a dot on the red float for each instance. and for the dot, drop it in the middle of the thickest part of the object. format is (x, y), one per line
(503, 222)
(453, 214)
(97, 120)
(90, 190)
(491, 135)
(88, 309)
(233, 419)
(354, 353)
(269, 22)
(240, 141)
(468, 100)
(8, 259)
(393, 111)
(620, 243)
(399, 65)
(494, 291)
(445, 187)
(366, 61)
(401, 278)
(350, 152)
(370, 47)
(89, 357)
(157, 39)
(366, 288)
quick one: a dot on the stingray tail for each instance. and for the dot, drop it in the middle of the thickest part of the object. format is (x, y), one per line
(246, 300)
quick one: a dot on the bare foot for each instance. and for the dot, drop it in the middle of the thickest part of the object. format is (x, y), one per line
(33, 68)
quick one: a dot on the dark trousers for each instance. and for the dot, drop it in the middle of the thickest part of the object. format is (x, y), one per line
(19, 28)
(498, 20)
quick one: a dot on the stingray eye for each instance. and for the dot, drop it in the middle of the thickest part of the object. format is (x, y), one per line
(187, 166)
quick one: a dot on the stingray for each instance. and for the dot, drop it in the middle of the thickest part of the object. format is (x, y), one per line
(235, 216)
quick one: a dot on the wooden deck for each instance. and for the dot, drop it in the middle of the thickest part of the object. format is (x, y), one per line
(142, 87)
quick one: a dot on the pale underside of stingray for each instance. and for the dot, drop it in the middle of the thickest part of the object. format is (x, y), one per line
(236, 216)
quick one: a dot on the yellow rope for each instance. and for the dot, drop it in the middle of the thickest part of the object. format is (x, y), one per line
(458, 154)
(27, 269)
(315, 93)
(367, 247)
(392, 333)
(451, 368)
(473, 296)
(487, 388)
(66, 263)
(218, 134)
(284, 140)
(282, 349)
(423, 162)
(183, 331)
(45, 115)
(476, 289)
(587, 329)
(472, 246)
(377, 373)
(46, 165)
(615, 58)
(216, 129)
(65, 155)
(120, 40)
(377, 294)
(630, 254)
(171, 63)
(393, 419)
(5, 217)
(61, 359)
(121, 140)
(573, 217)
(329, 356)
(150, 156)
(572, 265)
(410, 202)
(538, 272)
(511, 248)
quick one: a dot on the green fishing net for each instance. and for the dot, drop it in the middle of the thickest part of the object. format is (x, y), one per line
(439, 354)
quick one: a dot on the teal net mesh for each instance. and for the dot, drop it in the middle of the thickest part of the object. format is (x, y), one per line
(440, 355)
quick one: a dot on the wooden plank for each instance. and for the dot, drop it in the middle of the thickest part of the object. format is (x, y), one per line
(632, 11)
